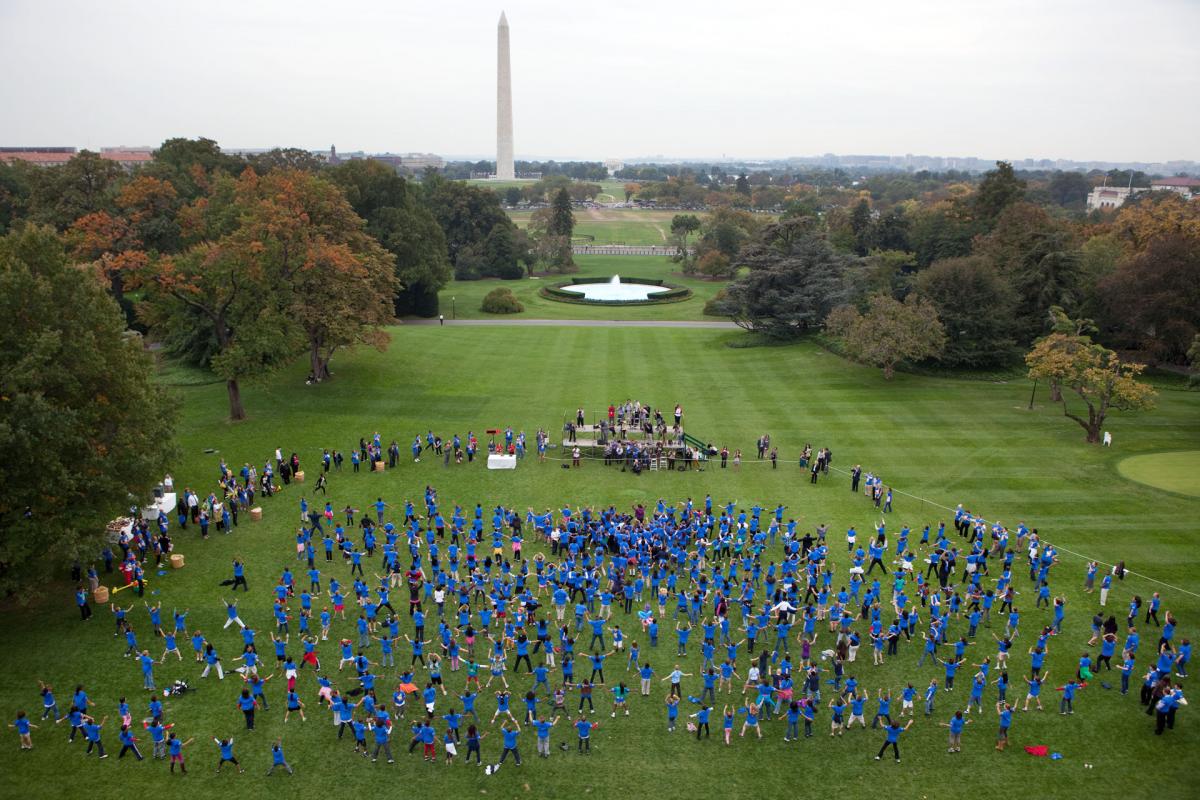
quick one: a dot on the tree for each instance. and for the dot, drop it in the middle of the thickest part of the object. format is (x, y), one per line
(890, 231)
(999, 189)
(286, 158)
(1095, 374)
(891, 331)
(340, 282)
(942, 230)
(501, 255)
(742, 185)
(84, 185)
(975, 305)
(715, 264)
(562, 217)
(1039, 257)
(1152, 301)
(795, 279)
(279, 264)
(191, 165)
(404, 226)
(726, 230)
(683, 226)
(860, 226)
(83, 424)
(16, 186)
(1069, 189)
(1154, 214)
(630, 190)
(465, 213)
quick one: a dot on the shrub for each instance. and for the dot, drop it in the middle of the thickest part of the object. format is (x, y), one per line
(501, 301)
(717, 306)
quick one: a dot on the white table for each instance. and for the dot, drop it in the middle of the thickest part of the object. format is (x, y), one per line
(166, 505)
(500, 461)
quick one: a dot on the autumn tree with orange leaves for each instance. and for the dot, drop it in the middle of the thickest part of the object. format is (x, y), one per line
(273, 266)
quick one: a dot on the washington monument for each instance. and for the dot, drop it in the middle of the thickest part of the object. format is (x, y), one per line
(504, 135)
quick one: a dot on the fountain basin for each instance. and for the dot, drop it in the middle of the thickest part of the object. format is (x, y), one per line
(615, 291)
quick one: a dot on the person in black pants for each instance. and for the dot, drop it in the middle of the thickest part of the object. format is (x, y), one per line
(855, 476)
(893, 740)
(701, 717)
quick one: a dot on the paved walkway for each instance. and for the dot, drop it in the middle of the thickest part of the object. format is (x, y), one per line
(581, 323)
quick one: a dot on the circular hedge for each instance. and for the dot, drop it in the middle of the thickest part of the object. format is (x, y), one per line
(674, 294)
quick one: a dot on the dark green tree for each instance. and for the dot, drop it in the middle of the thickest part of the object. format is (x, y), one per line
(87, 184)
(83, 425)
(500, 254)
(742, 185)
(404, 226)
(860, 226)
(795, 279)
(975, 304)
(562, 217)
(465, 213)
(192, 164)
(999, 189)
(1069, 189)
(1038, 256)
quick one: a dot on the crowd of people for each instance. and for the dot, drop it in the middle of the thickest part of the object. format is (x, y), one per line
(748, 591)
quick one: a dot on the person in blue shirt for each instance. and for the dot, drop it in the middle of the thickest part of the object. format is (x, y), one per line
(91, 732)
(23, 726)
(147, 664)
(701, 718)
(956, 725)
(893, 740)
(239, 575)
(128, 743)
(1066, 704)
(247, 704)
(509, 732)
(1005, 712)
(542, 727)
(1035, 691)
(226, 748)
(49, 704)
(584, 727)
(277, 759)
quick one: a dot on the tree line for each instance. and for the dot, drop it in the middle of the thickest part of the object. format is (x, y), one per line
(974, 280)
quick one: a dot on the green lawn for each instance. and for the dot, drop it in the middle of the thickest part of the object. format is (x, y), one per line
(945, 440)
(1175, 472)
(462, 299)
(632, 226)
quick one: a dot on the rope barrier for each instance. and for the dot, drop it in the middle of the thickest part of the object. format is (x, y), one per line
(710, 460)
(1056, 546)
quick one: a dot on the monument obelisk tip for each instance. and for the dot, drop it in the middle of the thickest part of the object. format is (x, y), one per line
(503, 20)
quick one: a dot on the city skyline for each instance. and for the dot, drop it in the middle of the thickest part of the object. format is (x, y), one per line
(1099, 81)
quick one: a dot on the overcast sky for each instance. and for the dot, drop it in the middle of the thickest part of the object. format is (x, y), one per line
(1081, 79)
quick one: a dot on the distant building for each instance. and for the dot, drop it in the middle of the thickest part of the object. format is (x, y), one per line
(419, 162)
(127, 157)
(1188, 187)
(412, 162)
(38, 156)
(1106, 198)
(614, 165)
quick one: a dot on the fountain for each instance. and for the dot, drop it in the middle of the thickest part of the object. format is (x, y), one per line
(614, 290)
